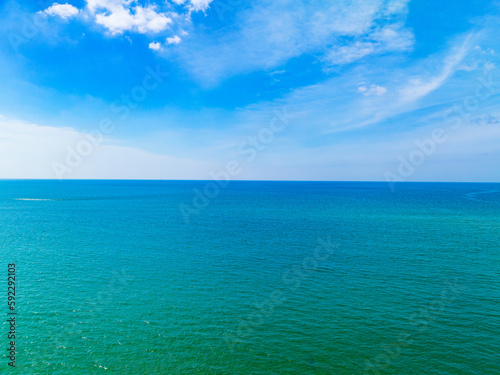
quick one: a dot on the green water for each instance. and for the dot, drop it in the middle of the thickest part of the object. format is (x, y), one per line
(266, 278)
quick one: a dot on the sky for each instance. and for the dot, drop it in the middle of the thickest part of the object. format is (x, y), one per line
(361, 90)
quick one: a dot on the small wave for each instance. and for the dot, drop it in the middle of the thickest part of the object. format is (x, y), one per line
(32, 199)
(474, 195)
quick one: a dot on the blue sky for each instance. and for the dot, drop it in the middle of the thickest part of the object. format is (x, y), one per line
(373, 90)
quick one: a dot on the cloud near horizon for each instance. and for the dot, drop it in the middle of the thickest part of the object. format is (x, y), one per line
(46, 152)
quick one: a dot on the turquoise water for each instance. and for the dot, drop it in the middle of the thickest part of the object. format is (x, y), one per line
(266, 278)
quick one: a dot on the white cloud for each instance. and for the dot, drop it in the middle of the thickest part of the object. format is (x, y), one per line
(489, 66)
(269, 33)
(384, 93)
(118, 16)
(197, 5)
(372, 90)
(389, 38)
(474, 65)
(264, 35)
(347, 54)
(420, 87)
(155, 46)
(488, 51)
(30, 151)
(174, 40)
(64, 11)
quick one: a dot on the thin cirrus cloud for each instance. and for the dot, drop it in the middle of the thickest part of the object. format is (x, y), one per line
(388, 38)
(360, 98)
(414, 84)
(268, 34)
(372, 90)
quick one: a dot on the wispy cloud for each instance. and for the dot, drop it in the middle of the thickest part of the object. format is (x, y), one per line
(270, 33)
(401, 90)
(30, 151)
(389, 38)
(419, 87)
(372, 90)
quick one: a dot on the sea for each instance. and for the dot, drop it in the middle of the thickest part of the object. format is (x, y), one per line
(250, 277)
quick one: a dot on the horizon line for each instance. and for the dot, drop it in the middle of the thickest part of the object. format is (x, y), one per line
(256, 180)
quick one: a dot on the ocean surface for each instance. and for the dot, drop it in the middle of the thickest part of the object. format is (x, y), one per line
(144, 277)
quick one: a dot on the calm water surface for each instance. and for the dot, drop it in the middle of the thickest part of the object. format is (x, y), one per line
(268, 278)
